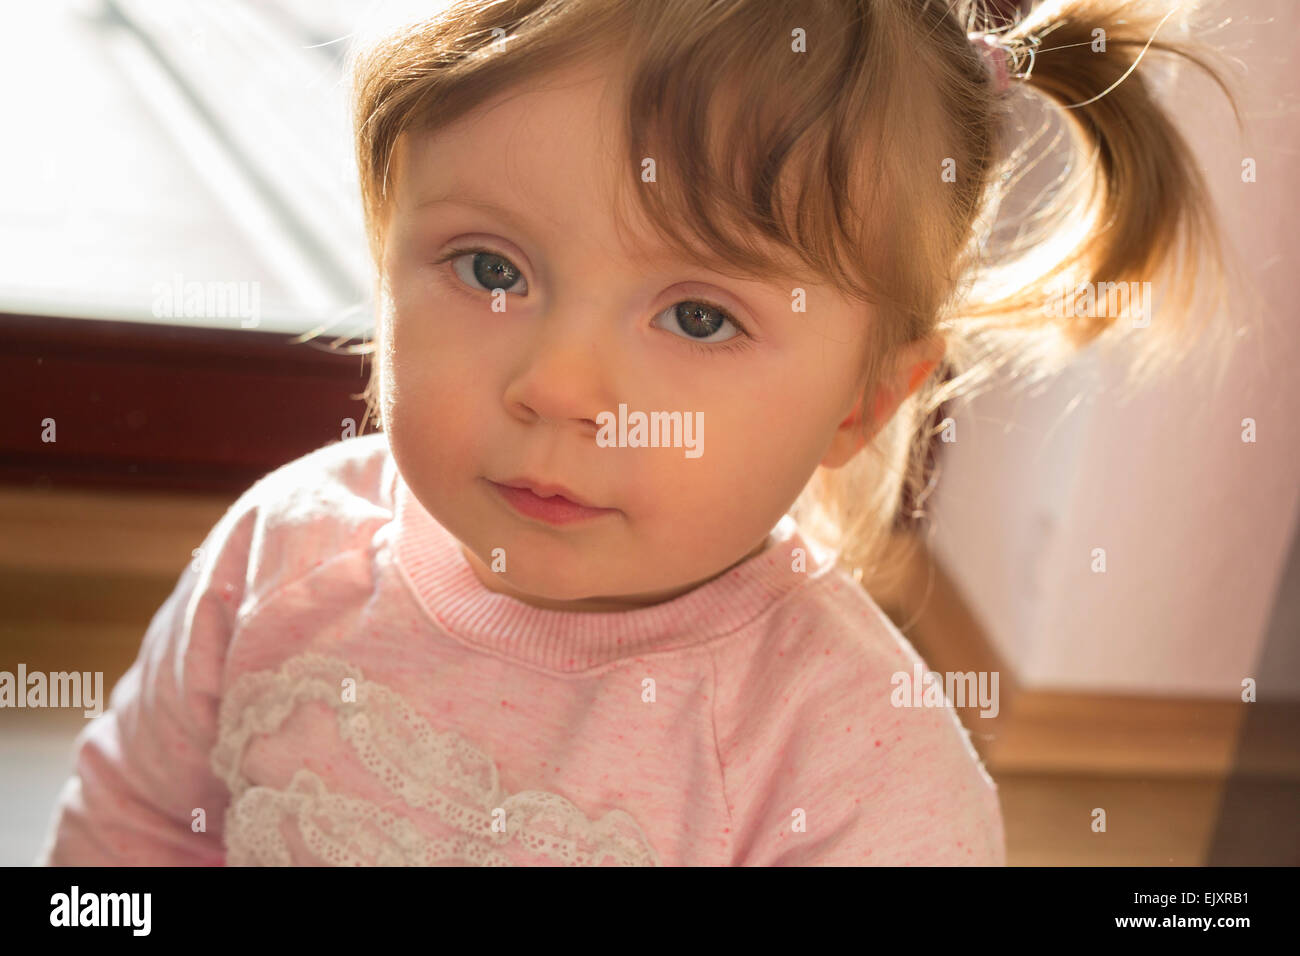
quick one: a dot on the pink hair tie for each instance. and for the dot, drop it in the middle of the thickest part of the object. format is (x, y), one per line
(995, 54)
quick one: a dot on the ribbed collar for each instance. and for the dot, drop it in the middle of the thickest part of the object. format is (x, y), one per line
(430, 559)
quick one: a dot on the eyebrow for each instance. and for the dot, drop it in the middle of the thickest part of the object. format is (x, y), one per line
(482, 204)
(665, 259)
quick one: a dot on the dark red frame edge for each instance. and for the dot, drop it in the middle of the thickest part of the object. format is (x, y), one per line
(146, 406)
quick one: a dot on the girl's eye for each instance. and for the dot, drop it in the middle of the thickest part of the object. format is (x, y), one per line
(702, 323)
(489, 270)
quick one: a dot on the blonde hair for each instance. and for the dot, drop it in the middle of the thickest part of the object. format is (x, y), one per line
(831, 166)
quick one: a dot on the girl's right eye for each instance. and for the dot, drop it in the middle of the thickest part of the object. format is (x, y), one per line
(488, 269)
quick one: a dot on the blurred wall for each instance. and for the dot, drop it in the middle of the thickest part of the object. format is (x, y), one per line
(1196, 524)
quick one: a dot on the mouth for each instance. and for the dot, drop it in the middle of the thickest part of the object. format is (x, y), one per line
(545, 502)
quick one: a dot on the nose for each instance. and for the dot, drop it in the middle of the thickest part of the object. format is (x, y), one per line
(563, 378)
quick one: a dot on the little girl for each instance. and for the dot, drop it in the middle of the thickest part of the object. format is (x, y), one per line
(484, 636)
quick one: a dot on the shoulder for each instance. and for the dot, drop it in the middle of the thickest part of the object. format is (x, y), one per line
(826, 640)
(879, 783)
(326, 502)
(353, 467)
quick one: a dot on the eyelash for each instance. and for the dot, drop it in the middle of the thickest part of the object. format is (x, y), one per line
(737, 344)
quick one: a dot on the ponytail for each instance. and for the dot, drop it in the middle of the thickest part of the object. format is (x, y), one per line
(1134, 211)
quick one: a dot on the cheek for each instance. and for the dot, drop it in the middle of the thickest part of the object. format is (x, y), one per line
(777, 429)
(433, 342)
(770, 448)
(436, 446)
(434, 396)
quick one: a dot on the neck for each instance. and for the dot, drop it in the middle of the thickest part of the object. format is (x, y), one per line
(601, 603)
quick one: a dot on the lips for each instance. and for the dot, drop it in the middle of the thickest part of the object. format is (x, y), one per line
(547, 502)
(547, 490)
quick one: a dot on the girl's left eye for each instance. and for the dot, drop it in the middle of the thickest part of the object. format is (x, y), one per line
(701, 324)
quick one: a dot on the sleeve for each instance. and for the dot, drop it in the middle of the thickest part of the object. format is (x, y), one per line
(141, 768)
(841, 777)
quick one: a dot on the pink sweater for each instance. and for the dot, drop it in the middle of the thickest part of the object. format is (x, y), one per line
(334, 685)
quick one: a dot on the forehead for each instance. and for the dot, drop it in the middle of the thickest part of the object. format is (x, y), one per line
(549, 160)
(548, 155)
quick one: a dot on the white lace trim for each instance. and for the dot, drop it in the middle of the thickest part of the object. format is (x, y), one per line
(438, 772)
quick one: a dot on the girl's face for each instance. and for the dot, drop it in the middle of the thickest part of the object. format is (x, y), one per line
(473, 396)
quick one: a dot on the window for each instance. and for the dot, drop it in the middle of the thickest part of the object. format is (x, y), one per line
(178, 208)
(201, 148)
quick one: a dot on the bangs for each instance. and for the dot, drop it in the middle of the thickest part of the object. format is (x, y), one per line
(768, 162)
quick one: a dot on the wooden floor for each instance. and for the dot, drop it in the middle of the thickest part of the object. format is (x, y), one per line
(1149, 822)
(82, 575)
(1158, 767)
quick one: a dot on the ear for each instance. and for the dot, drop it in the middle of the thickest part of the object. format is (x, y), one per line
(914, 363)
